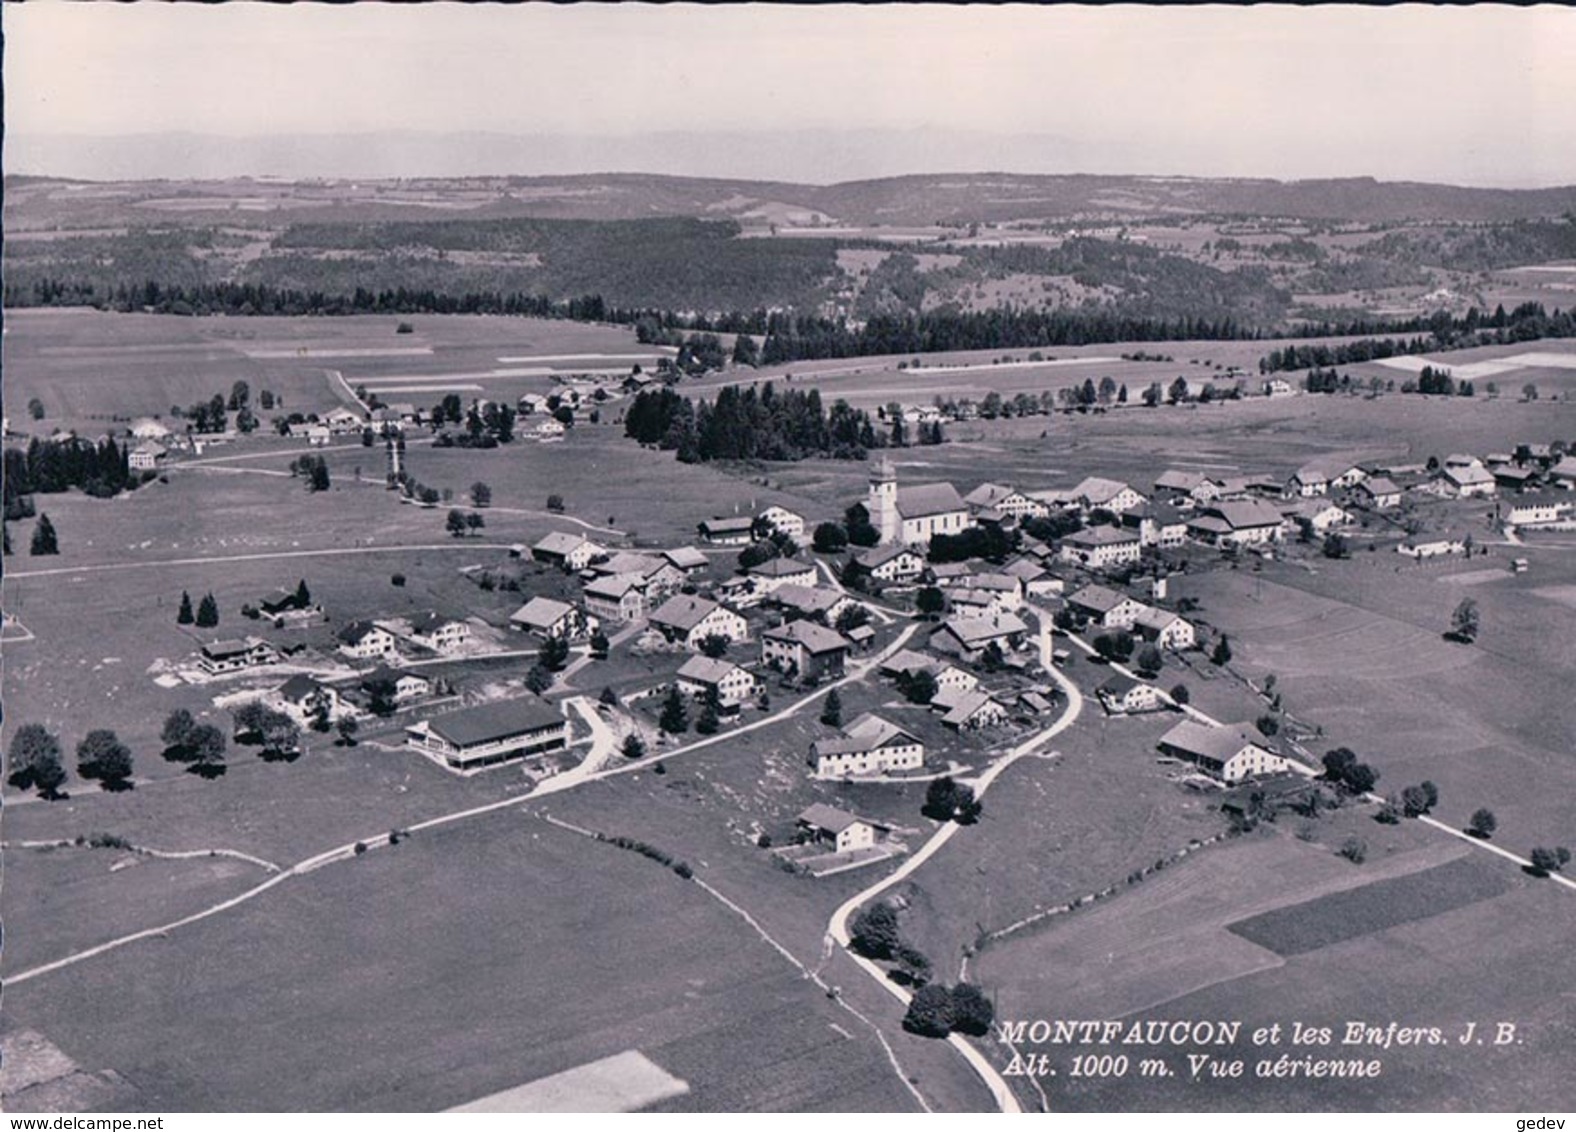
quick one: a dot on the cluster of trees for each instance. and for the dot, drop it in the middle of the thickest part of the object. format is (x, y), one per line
(50, 465)
(1342, 767)
(462, 523)
(486, 427)
(207, 615)
(877, 933)
(937, 1010)
(200, 745)
(946, 800)
(1438, 332)
(1410, 802)
(750, 424)
(277, 734)
(36, 763)
(313, 469)
(990, 543)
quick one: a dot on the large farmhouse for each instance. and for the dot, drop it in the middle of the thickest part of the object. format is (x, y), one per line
(689, 620)
(869, 745)
(804, 650)
(1229, 753)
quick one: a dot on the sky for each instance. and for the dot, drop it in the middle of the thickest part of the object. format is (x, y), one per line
(1474, 95)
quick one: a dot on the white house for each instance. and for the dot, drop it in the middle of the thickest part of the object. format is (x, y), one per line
(894, 563)
(569, 552)
(689, 619)
(844, 830)
(146, 457)
(1245, 522)
(869, 745)
(1100, 547)
(1465, 477)
(1379, 492)
(1165, 629)
(406, 686)
(1122, 695)
(301, 697)
(544, 617)
(1432, 545)
(804, 650)
(438, 633)
(1530, 510)
(617, 597)
(362, 640)
(1230, 753)
(774, 572)
(784, 521)
(969, 637)
(970, 711)
(734, 685)
(236, 656)
(1321, 515)
(1106, 607)
(1005, 501)
(1097, 493)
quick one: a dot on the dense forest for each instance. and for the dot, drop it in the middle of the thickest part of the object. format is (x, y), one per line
(48, 465)
(743, 424)
(1527, 323)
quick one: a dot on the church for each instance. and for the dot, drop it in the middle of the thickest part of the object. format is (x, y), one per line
(909, 516)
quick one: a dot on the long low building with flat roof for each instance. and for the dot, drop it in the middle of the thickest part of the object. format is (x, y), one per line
(491, 733)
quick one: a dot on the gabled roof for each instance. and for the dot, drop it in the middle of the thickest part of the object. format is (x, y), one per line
(907, 660)
(425, 624)
(731, 524)
(875, 731)
(1565, 469)
(1096, 490)
(625, 562)
(807, 599)
(1242, 514)
(1102, 599)
(708, 670)
(683, 612)
(829, 818)
(541, 613)
(1101, 536)
(685, 558)
(921, 500)
(950, 570)
(989, 495)
(384, 672)
(298, 688)
(1175, 479)
(358, 631)
(781, 568)
(968, 705)
(983, 630)
(1379, 485)
(561, 543)
(881, 555)
(815, 638)
(1211, 744)
(1469, 475)
(1156, 619)
(615, 586)
(1024, 569)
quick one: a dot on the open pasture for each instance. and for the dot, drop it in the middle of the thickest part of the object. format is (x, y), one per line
(1358, 650)
(518, 951)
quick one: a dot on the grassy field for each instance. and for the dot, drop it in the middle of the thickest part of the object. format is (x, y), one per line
(1165, 953)
(518, 950)
(92, 367)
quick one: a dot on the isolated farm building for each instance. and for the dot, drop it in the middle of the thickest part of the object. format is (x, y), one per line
(616, 597)
(1122, 695)
(842, 829)
(774, 572)
(1097, 548)
(736, 530)
(236, 656)
(1007, 501)
(970, 711)
(686, 560)
(913, 515)
(817, 603)
(302, 697)
(1379, 492)
(569, 552)
(894, 563)
(805, 650)
(783, 521)
(1095, 493)
(1246, 522)
(1165, 629)
(363, 640)
(491, 733)
(1278, 387)
(1564, 473)
(342, 421)
(1321, 515)
(1530, 510)
(970, 637)
(1106, 607)
(405, 685)
(1157, 524)
(438, 633)
(1196, 486)
(546, 618)
(1433, 545)
(688, 620)
(1230, 753)
(733, 685)
(869, 745)
(285, 606)
(146, 457)
(546, 431)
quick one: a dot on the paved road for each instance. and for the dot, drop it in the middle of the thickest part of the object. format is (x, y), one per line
(837, 927)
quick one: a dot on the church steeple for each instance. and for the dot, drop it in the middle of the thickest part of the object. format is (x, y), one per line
(882, 501)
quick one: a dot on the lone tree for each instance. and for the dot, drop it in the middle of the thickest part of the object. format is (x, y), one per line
(347, 729)
(1221, 655)
(714, 645)
(31, 747)
(1544, 861)
(946, 800)
(972, 1012)
(207, 612)
(634, 746)
(456, 523)
(1180, 694)
(481, 494)
(1483, 823)
(555, 504)
(832, 712)
(875, 932)
(177, 734)
(829, 538)
(918, 686)
(600, 645)
(184, 617)
(206, 743)
(101, 755)
(675, 716)
(1465, 621)
(1149, 659)
(930, 601)
(553, 654)
(319, 479)
(44, 540)
(930, 1013)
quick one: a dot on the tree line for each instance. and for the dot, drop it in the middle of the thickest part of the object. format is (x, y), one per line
(744, 423)
(1528, 322)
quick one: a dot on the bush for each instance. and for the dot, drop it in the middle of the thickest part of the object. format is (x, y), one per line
(972, 1012)
(397, 579)
(1483, 824)
(875, 933)
(1355, 850)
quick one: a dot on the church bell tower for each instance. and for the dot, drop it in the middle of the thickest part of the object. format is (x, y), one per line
(882, 501)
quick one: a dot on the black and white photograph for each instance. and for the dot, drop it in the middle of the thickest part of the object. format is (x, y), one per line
(786, 558)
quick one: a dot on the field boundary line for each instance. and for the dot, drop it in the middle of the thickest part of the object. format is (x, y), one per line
(264, 556)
